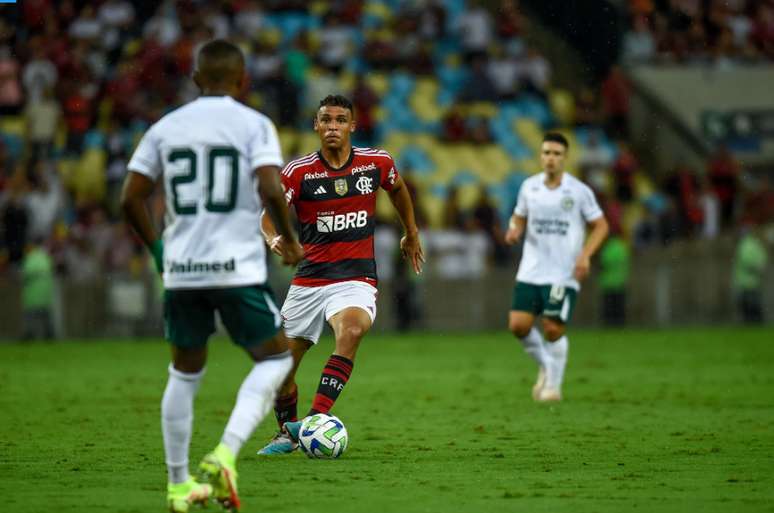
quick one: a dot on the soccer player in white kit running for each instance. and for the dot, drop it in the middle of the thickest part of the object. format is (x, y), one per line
(553, 208)
(219, 161)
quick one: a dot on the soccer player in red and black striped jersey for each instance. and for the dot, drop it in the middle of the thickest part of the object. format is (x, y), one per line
(334, 193)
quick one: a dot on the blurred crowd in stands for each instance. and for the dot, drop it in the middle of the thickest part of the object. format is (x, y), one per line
(81, 81)
(721, 32)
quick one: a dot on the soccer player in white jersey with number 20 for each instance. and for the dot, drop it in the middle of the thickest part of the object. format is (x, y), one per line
(553, 210)
(219, 161)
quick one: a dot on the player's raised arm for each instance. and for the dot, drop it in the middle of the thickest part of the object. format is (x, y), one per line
(277, 222)
(516, 227)
(409, 243)
(134, 197)
(598, 234)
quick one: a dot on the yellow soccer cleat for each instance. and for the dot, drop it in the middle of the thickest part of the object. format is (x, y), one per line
(181, 496)
(219, 469)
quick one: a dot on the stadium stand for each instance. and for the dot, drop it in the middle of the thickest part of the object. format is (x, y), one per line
(454, 90)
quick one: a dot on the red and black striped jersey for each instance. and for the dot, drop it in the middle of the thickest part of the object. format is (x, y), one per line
(336, 209)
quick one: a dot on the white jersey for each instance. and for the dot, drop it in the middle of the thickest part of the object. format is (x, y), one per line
(556, 228)
(207, 152)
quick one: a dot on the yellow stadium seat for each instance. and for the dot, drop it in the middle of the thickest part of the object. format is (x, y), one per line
(529, 166)
(426, 141)
(384, 208)
(67, 169)
(492, 164)
(482, 109)
(288, 139)
(89, 180)
(632, 213)
(563, 106)
(12, 125)
(378, 10)
(395, 142)
(378, 82)
(270, 36)
(467, 195)
(433, 207)
(346, 81)
(318, 8)
(643, 186)
(530, 133)
(308, 142)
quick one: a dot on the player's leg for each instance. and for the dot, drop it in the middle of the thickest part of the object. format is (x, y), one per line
(526, 304)
(286, 405)
(189, 321)
(253, 322)
(560, 302)
(303, 316)
(349, 327)
(557, 348)
(350, 310)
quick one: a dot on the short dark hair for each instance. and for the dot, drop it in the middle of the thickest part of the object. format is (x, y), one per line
(220, 49)
(557, 138)
(337, 100)
(218, 58)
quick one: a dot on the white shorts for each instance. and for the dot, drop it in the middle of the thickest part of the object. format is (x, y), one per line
(306, 309)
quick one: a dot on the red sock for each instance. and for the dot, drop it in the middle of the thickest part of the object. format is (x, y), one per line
(334, 376)
(285, 407)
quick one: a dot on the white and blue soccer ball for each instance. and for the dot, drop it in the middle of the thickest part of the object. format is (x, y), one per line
(323, 436)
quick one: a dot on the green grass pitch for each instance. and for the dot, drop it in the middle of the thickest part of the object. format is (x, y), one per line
(672, 420)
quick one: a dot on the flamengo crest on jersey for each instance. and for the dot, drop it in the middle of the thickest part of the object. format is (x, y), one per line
(207, 152)
(335, 208)
(556, 229)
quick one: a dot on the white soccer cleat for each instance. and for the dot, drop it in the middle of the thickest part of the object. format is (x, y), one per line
(547, 395)
(539, 383)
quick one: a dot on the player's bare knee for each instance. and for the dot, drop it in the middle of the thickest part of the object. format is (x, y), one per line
(351, 335)
(553, 332)
(519, 329)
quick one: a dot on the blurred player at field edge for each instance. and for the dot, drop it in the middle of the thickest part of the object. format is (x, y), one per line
(553, 209)
(334, 193)
(220, 163)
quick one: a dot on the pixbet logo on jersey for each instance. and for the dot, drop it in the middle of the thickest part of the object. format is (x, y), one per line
(339, 222)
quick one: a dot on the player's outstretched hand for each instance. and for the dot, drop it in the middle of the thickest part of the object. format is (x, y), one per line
(511, 236)
(582, 266)
(276, 245)
(412, 251)
(292, 253)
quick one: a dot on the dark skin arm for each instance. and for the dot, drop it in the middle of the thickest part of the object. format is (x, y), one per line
(409, 243)
(134, 198)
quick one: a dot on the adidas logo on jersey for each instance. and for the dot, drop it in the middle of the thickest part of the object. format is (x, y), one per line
(320, 190)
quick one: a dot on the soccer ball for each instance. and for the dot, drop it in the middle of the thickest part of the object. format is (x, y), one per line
(323, 436)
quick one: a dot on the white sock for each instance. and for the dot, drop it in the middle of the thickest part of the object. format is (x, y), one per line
(255, 399)
(557, 351)
(177, 421)
(535, 347)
